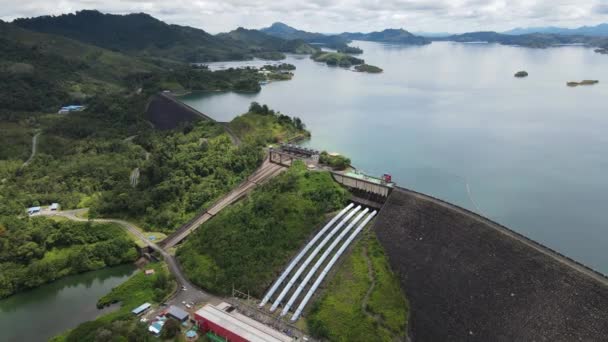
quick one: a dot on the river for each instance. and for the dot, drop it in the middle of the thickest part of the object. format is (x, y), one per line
(450, 120)
(48, 310)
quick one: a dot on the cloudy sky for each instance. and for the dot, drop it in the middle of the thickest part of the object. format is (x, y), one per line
(337, 15)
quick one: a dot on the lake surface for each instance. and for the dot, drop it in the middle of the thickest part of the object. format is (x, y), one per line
(450, 120)
(46, 311)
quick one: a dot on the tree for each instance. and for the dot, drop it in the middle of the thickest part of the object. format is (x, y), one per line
(171, 329)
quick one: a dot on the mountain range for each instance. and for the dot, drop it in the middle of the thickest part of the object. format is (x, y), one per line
(597, 30)
(144, 35)
(400, 36)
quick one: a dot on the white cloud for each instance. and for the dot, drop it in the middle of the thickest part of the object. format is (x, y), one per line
(337, 15)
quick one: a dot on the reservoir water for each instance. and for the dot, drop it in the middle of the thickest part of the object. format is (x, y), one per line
(48, 310)
(450, 120)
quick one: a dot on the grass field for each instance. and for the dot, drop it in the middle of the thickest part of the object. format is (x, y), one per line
(364, 301)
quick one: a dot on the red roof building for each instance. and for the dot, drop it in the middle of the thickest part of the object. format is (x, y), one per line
(224, 321)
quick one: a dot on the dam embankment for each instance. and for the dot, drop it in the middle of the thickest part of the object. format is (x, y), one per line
(470, 279)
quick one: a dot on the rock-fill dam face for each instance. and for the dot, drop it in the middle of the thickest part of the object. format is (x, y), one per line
(470, 279)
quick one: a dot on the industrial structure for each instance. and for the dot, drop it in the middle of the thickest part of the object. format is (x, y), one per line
(286, 154)
(332, 235)
(177, 313)
(225, 321)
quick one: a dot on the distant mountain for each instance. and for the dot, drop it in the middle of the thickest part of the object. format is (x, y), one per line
(145, 35)
(260, 42)
(339, 40)
(431, 34)
(535, 40)
(400, 36)
(42, 71)
(285, 31)
(598, 30)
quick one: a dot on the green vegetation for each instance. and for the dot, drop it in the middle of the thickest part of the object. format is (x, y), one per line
(363, 302)
(350, 49)
(368, 68)
(246, 244)
(187, 171)
(121, 325)
(337, 162)
(147, 37)
(15, 142)
(336, 59)
(38, 250)
(279, 67)
(261, 125)
(584, 82)
(521, 74)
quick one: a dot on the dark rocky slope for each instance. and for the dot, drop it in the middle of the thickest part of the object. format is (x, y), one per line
(469, 279)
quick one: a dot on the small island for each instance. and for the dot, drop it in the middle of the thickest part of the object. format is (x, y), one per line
(582, 83)
(372, 69)
(279, 72)
(603, 51)
(521, 74)
(336, 59)
(353, 50)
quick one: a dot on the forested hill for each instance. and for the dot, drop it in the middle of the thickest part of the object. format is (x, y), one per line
(41, 71)
(145, 35)
(260, 41)
(535, 40)
(400, 36)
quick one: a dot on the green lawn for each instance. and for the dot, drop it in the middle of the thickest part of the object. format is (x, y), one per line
(339, 314)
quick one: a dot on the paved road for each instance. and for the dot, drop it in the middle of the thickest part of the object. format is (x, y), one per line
(34, 149)
(192, 294)
(261, 175)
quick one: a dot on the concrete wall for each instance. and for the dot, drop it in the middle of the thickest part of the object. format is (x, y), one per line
(469, 279)
(361, 185)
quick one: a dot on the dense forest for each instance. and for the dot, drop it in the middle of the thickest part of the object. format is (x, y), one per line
(186, 171)
(246, 244)
(39, 250)
(145, 36)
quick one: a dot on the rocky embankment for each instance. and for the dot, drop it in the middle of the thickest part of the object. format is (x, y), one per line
(470, 279)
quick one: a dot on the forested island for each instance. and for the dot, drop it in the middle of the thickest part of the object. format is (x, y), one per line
(336, 59)
(368, 68)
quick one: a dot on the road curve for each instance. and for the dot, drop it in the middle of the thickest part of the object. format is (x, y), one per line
(195, 294)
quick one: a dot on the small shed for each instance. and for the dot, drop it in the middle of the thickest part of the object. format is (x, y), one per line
(177, 313)
(141, 309)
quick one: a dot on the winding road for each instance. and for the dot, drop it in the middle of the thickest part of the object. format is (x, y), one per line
(191, 294)
(34, 149)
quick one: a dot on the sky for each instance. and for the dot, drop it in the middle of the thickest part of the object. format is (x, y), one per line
(333, 16)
